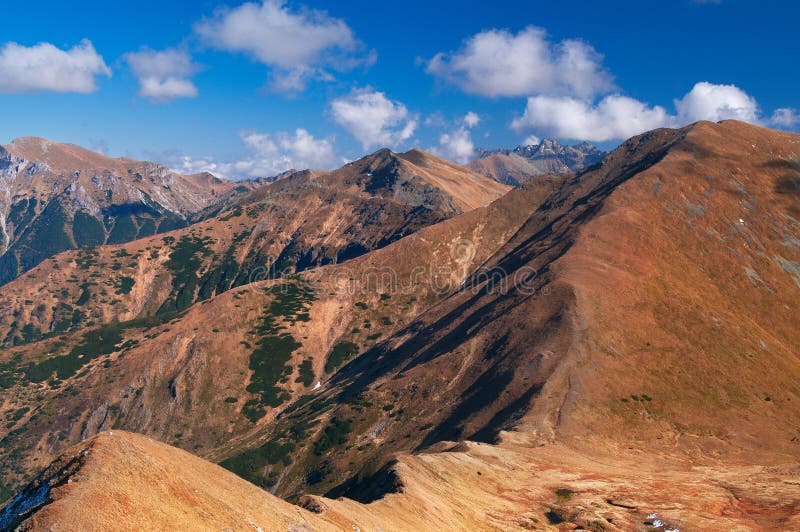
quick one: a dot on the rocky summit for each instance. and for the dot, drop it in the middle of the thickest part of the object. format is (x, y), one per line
(55, 197)
(522, 163)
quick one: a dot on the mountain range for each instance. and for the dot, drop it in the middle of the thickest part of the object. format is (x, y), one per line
(55, 197)
(516, 166)
(405, 343)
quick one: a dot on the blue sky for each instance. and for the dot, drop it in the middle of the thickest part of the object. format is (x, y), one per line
(245, 90)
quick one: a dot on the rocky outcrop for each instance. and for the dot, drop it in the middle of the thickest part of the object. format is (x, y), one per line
(517, 166)
(55, 197)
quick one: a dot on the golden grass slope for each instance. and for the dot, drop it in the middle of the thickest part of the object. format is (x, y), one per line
(124, 481)
(687, 288)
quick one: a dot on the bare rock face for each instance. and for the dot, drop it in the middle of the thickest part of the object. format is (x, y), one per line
(517, 166)
(55, 197)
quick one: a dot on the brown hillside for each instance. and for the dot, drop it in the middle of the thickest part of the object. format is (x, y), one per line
(169, 371)
(505, 168)
(643, 297)
(301, 221)
(51, 166)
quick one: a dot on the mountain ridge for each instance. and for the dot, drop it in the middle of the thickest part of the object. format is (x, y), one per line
(55, 197)
(90, 486)
(517, 165)
(303, 220)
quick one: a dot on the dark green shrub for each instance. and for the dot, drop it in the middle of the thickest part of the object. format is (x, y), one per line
(87, 230)
(340, 353)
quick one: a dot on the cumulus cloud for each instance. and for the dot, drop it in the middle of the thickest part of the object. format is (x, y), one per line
(530, 140)
(500, 63)
(707, 101)
(570, 93)
(373, 119)
(616, 117)
(299, 45)
(785, 117)
(163, 75)
(613, 117)
(435, 119)
(457, 145)
(43, 67)
(471, 119)
(269, 155)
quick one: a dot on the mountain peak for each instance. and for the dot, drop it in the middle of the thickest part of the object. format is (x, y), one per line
(517, 166)
(419, 175)
(80, 198)
(60, 156)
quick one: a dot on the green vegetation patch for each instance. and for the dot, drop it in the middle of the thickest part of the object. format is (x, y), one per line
(93, 344)
(221, 277)
(233, 213)
(124, 285)
(274, 347)
(184, 262)
(251, 464)
(46, 236)
(306, 372)
(336, 433)
(124, 229)
(86, 258)
(87, 230)
(341, 352)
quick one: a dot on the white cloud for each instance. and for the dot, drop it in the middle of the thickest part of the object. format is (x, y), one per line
(457, 145)
(707, 101)
(435, 119)
(530, 140)
(270, 154)
(471, 119)
(43, 67)
(163, 75)
(373, 119)
(617, 117)
(570, 93)
(297, 45)
(499, 63)
(785, 117)
(613, 117)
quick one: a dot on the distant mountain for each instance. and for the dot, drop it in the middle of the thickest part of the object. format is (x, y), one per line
(55, 197)
(516, 166)
(301, 221)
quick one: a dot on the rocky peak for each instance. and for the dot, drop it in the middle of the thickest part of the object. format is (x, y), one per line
(546, 148)
(515, 166)
(68, 196)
